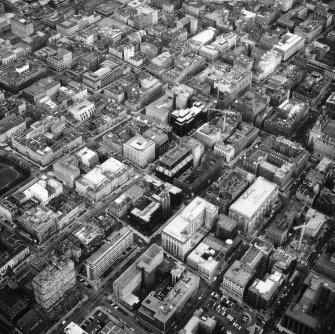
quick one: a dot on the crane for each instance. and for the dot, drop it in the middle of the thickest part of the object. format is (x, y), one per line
(303, 228)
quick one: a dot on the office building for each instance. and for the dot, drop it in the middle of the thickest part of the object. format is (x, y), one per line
(174, 162)
(237, 280)
(309, 29)
(11, 126)
(261, 294)
(104, 76)
(21, 73)
(157, 313)
(39, 222)
(140, 274)
(15, 252)
(208, 135)
(21, 27)
(268, 63)
(250, 208)
(199, 323)
(159, 137)
(8, 210)
(322, 137)
(83, 110)
(160, 109)
(204, 260)
(299, 317)
(177, 236)
(103, 179)
(67, 170)
(289, 116)
(107, 254)
(288, 45)
(195, 180)
(139, 150)
(43, 189)
(226, 228)
(53, 282)
(185, 120)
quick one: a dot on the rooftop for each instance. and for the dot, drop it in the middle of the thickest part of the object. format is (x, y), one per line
(179, 226)
(253, 198)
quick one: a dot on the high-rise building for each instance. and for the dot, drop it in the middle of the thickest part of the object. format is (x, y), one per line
(177, 235)
(107, 254)
(53, 282)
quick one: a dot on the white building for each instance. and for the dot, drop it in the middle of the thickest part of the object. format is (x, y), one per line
(202, 259)
(103, 179)
(111, 251)
(44, 189)
(224, 150)
(208, 135)
(251, 207)
(268, 63)
(289, 45)
(83, 110)
(139, 150)
(177, 235)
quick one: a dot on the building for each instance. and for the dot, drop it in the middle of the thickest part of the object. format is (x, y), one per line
(140, 274)
(11, 126)
(203, 260)
(43, 189)
(289, 116)
(174, 162)
(261, 294)
(185, 120)
(201, 39)
(159, 137)
(160, 109)
(14, 253)
(268, 63)
(299, 317)
(237, 280)
(199, 324)
(178, 235)
(104, 76)
(21, 73)
(139, 150)
(313, 88)
(195, 180)
(73, 328)
(83, 110)
(8, 210)
(322, 137)
(309, 29)
(228, 188)
(67, 170)
(208, 135)
(21, 27)
(51, 285)
(251, 207)
(158, 313)
(39, 222)
(107, 254)
(226, 228)
(103, 179)
(288, 45)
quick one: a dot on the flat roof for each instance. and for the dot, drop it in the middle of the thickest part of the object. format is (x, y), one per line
(178, 226)
(253, 198)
